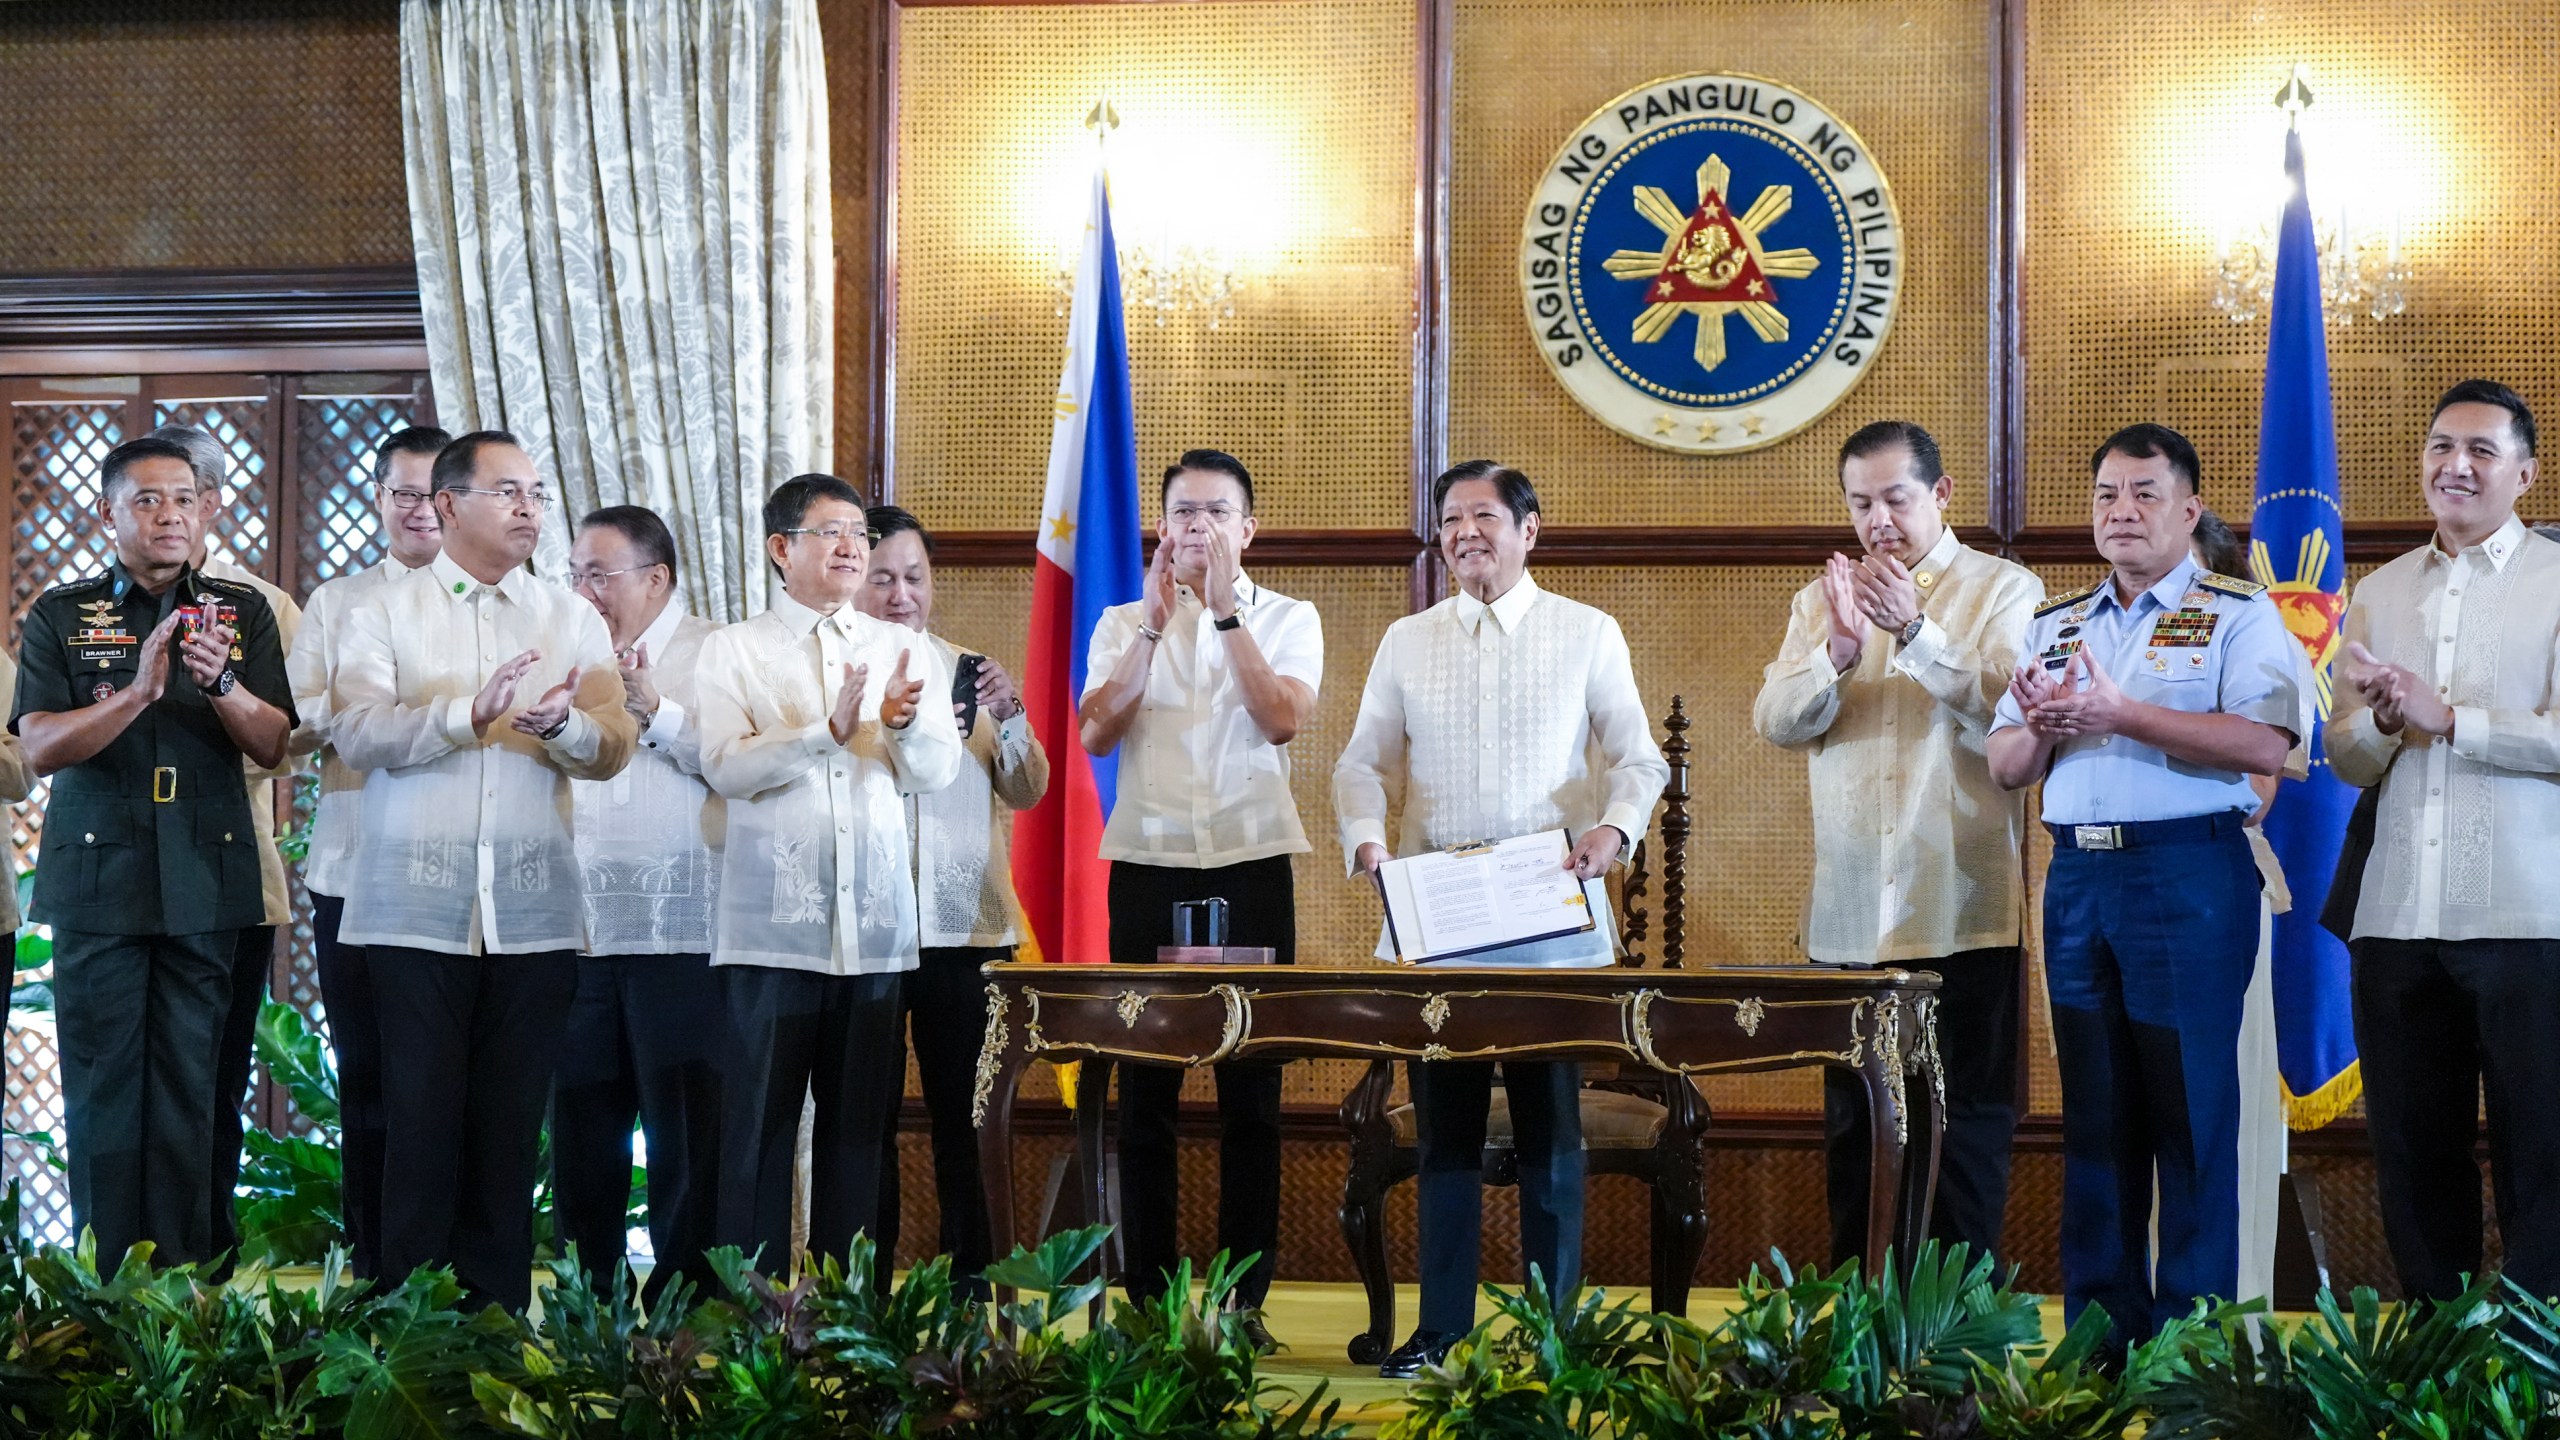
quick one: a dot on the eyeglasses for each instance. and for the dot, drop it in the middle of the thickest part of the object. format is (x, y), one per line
(590, 579)
(836, 534)
(406, 499)
(537, 497)
(1218, 514)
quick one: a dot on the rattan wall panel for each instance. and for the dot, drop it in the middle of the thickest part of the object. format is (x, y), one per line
(2121, 221)
(1311, 382)
(850, 31)
(1704, 634)
(166, 133)
(1337, 918)
(1913, 77)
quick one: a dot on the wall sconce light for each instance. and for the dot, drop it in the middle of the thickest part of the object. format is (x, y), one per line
(1163, 273)
(2363, 274)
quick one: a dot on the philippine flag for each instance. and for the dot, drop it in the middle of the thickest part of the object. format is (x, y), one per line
(1088, 562)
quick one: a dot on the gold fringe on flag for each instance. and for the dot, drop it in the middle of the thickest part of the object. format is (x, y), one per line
(2310, 1112)
(1027, 951)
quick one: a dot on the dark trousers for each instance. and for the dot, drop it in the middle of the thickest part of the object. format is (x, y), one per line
(2436, 1020)
(2148, 953)
(797, 1033)
(946, 1017)
(1261, 910)
(463, 1093)
(1978, 1054)
(647, 1037)
(355, 1035)
(252, 957)
(138, 1019)
(1451, 1100)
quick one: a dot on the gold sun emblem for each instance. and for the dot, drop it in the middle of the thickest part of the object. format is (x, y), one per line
(1711, 264)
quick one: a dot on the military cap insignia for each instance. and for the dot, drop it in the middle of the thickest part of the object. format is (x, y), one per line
(1710, 262)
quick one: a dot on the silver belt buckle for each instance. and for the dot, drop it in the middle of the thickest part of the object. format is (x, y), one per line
(2097, 837)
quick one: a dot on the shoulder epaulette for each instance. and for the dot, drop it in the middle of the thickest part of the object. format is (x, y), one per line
(86, 582)
(2228, 585)
(2069, 598)
(232, 587)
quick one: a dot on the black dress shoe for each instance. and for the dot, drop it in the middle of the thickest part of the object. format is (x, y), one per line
(1423, 1347)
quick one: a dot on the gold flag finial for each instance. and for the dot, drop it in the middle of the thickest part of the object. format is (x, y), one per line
(1102, 119)
(2294, 97)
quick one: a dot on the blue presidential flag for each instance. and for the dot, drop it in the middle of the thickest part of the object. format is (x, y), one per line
(2295, 548)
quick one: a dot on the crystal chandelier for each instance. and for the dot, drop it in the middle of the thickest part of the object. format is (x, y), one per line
(2362, 274)
(1164, 280)
(1193, 280)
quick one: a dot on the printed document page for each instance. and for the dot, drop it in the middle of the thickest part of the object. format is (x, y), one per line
(1444, 903)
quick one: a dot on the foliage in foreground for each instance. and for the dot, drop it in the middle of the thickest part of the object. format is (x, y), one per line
(827, 1351)
(1943, 1348)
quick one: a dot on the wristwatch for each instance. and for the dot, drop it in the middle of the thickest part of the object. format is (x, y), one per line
(224, 683)
(1911, 631)
(554, 732)
(1229, 623)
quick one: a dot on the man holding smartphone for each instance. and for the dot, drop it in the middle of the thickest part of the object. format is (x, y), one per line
(1200, 684)
(966, 913)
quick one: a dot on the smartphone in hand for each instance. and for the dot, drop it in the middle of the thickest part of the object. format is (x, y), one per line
(964, 690)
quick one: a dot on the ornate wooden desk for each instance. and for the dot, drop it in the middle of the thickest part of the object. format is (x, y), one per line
(1880, 1023)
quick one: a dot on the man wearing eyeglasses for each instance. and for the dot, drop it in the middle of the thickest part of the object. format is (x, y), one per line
(816, 720)
(1199, 686)
(648, 1027)
(473, 693)
(405, 520)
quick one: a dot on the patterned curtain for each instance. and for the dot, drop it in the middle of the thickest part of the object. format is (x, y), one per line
(626, 257)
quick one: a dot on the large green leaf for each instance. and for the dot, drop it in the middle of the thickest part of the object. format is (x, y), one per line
(297, 1058)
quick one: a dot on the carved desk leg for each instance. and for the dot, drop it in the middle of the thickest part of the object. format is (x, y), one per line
(1000, 1062)
(1930, 1077)
(1364, 1205)
(1093, 1165)
(1880, 1066)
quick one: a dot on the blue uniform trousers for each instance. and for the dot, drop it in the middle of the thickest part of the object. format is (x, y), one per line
(2148, 952)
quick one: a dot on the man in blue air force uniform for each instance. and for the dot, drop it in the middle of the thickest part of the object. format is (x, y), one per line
(2146, 703)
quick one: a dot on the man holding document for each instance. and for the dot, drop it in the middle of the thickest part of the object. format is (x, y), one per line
(1502, 714)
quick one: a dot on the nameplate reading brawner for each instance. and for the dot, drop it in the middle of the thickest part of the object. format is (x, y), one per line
(1710, 262)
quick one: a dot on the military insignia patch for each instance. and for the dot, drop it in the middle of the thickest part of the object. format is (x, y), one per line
(1710, 263)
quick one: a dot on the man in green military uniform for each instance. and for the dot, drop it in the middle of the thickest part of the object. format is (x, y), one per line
(139, 693)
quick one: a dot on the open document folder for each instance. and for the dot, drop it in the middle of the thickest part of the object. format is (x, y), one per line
(1443, 904)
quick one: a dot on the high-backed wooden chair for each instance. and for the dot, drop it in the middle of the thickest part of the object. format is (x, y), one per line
(1647, 1125)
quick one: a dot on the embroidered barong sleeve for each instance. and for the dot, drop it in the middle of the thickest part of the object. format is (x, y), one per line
(371, 727)
(1969, 672)
(1020, 768)
(1637, 771)
(745, 752)
(1800, 691)
(1368, 781)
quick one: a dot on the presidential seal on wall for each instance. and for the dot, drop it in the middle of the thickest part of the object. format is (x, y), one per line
(1710, 262)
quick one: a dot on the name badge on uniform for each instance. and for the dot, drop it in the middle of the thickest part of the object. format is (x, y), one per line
(104, 644)
(2189, 627)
